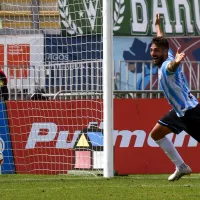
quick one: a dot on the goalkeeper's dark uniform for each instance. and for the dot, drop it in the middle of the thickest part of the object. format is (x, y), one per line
(3, 86)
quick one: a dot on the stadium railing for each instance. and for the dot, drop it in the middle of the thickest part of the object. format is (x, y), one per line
(132, 79)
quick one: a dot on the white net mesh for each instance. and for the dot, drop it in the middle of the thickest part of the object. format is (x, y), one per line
(51, 53)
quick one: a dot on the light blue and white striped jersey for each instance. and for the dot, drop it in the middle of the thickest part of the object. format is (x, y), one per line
(175, 88)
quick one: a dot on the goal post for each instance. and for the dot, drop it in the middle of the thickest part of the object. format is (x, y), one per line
(58, 59)
(108, 87)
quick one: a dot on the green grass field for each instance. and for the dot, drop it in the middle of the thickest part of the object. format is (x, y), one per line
(144, 187)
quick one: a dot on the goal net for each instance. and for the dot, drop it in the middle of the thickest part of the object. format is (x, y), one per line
(52, 54)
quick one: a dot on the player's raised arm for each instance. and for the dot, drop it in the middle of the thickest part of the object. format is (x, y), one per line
(157, 24)
(173, 65)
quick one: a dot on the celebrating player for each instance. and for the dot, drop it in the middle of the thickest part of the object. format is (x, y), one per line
(185, 113)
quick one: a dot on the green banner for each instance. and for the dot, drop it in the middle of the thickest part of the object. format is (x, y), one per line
(131, 17)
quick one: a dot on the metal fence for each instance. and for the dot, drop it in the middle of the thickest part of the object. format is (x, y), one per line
(142, 75)
(72, 77)
(142, 78)
(132, 79)
(23, 82)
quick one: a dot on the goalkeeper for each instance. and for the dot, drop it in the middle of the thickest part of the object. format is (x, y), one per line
(3, 86)
(185, 113)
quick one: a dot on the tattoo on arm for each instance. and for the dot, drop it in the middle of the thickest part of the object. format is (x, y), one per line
(172, 66)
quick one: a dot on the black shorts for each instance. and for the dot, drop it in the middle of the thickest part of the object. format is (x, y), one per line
(190, 122)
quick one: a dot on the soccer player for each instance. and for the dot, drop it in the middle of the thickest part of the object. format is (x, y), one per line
(185, 112)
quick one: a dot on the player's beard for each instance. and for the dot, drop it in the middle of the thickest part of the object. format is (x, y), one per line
(158, 62)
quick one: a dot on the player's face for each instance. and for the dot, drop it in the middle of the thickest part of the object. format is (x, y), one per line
(158, 55)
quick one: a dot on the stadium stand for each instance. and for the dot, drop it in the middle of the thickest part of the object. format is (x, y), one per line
(26, 16)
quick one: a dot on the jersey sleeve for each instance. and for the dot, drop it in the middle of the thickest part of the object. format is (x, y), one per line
(170, 55)
(165, 64)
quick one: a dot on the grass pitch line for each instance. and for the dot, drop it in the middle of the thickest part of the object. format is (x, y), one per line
(21, 178)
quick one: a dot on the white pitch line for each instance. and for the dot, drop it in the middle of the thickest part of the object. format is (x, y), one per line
(65, 178)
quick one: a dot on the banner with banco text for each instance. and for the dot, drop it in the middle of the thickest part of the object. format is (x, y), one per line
(132, 17)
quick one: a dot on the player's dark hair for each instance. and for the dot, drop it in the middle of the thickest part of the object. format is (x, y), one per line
(160, 42)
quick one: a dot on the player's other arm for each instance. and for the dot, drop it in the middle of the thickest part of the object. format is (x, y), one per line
(173, 65)
(157, 24)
